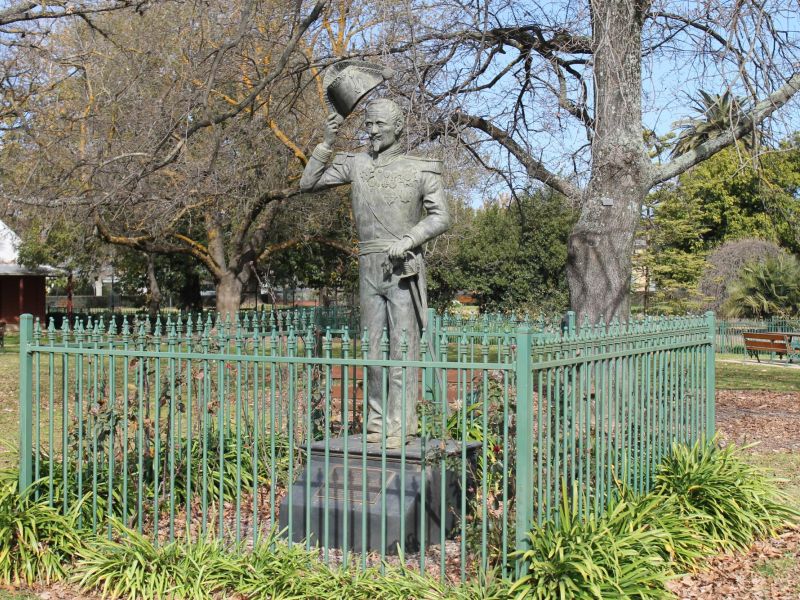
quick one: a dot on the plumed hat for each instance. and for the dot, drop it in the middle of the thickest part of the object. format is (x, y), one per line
(348, 81)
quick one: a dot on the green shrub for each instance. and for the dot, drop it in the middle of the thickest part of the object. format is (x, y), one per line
(611, 556)
(87, 504)
(35, 540)
(766, 289)
(395, 583)
(273, 570)
(735, 502)
(231, 475)
(94, 508)
(131, 566)
(680, 542)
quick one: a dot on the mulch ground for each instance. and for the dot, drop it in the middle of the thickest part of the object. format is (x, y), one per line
(771, 420)
(770, 570)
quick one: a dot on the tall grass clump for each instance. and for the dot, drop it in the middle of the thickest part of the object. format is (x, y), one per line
(273, 570)
(580, 556)
(129, 565)
(35, 539)
(730, 502)
(677, 537)
(62, 489)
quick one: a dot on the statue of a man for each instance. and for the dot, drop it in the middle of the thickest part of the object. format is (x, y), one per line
(398, 205)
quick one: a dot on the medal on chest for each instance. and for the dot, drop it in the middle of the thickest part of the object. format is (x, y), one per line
(390, 185)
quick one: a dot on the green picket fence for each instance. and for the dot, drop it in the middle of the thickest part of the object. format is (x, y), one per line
(729, 334)
(335, 317)
(185, 431)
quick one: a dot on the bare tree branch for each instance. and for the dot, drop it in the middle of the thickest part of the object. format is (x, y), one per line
(535, 168)
(148, 243)
(36, 11)
(275, 248)
(756, 115)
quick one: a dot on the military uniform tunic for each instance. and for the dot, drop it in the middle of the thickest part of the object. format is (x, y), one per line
(394, 196)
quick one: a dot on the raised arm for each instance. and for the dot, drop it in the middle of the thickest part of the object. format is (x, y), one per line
(316, 176)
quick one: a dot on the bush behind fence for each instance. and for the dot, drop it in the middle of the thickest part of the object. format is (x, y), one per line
(184, 428)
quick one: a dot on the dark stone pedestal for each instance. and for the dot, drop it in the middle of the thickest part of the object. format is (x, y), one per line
(326, 496)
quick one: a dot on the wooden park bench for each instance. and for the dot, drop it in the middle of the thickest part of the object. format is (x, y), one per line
(774, 343)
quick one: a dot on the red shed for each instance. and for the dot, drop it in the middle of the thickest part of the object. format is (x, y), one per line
(22, 290)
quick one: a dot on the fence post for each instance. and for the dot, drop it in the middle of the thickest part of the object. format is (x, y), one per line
(431, 335)
(711, 379)
(524, 474)
(570, 323)
(25, 402)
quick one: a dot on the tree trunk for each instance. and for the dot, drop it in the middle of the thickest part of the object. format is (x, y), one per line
(229, 295)
(601, 244)
(325, 296)
(69, 296)
(190, 293)
(154, 302)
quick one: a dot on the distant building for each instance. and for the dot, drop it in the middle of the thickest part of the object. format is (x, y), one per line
(22, 290)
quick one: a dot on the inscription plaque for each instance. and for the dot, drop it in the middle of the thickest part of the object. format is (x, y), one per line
(355, 489)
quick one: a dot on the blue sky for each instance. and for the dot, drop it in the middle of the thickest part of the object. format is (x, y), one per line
(672, 75)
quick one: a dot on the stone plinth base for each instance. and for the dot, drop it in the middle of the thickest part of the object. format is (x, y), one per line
(358, 517)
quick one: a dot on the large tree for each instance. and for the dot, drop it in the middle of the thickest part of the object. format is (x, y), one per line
(566, 91)
(184, 129)
(510, 256)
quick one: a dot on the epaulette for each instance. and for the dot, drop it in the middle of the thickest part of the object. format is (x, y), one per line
(340, 157)
(429, 165)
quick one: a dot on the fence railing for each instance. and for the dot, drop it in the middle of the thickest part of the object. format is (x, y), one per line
(182, 432)
(335, 317)
(730, 338)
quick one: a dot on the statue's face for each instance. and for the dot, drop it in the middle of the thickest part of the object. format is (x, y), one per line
(382, 129)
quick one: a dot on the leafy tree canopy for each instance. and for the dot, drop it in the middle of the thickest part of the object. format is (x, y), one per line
(725, 264)
(60, 242)
(512, 257)
(731, 196)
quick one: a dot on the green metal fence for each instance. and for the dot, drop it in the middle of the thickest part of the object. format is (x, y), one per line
(197, 428)
(335, 317)
(729, 335)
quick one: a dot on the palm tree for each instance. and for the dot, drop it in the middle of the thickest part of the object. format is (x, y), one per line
(767, 289)
(717, 113)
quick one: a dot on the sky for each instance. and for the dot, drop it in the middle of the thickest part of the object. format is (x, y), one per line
(673, 73)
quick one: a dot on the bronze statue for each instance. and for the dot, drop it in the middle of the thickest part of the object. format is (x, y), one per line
(398, 205)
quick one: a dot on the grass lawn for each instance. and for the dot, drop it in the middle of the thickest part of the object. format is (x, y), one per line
(784, 466)
(10, 595)
(770, 378)
(9, 403)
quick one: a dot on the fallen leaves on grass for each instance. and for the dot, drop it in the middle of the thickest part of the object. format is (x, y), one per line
(772, 419)
(770, 570)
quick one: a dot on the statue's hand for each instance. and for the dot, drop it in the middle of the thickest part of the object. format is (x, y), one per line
(399, 248)
(332, 128)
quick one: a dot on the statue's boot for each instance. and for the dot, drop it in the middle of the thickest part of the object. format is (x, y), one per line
(393, 441)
